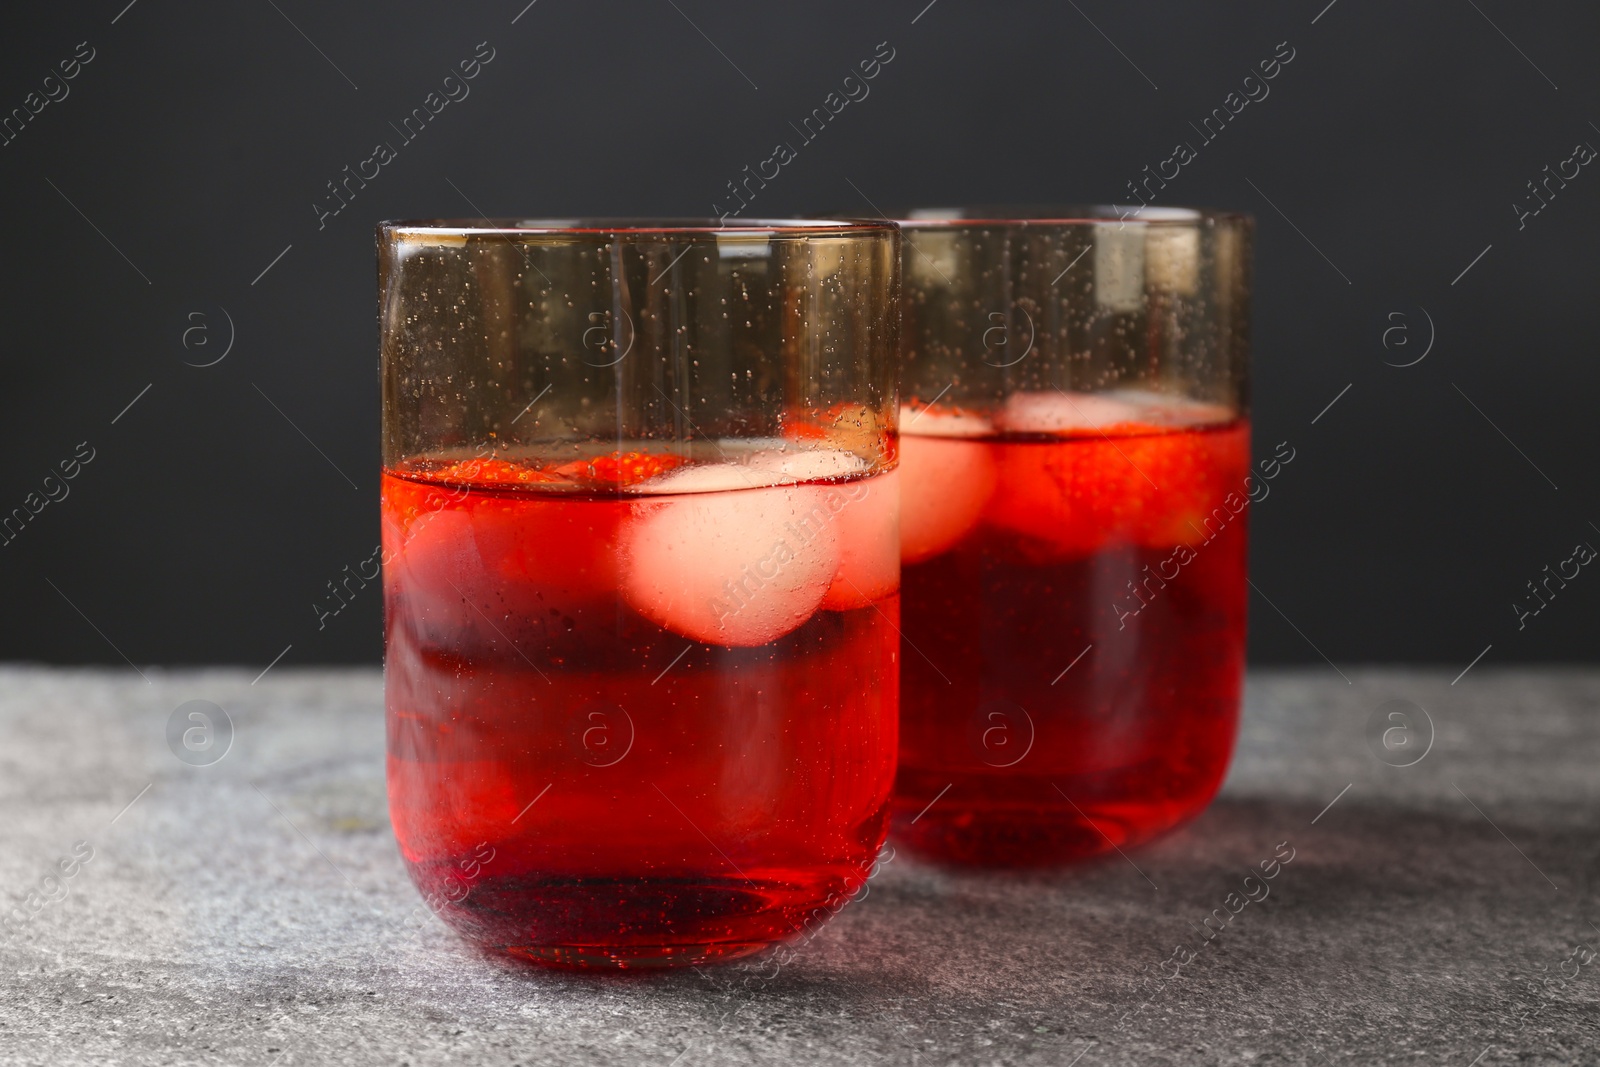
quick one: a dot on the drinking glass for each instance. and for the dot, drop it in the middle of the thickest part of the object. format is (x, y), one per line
(1075, 475)
(641, 577)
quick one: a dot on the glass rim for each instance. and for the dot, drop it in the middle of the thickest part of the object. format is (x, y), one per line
(1060, 215)
(623, 227)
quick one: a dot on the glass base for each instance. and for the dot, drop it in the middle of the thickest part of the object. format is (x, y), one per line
(631, 958)
(632, 924)
(970, 826)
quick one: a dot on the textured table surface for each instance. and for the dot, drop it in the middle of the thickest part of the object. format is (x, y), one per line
(255, 911)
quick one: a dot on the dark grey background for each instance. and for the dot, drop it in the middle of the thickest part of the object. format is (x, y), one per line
(191, 149)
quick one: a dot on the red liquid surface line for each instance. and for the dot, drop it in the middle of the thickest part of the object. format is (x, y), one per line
(577, 776)
(1075, 638)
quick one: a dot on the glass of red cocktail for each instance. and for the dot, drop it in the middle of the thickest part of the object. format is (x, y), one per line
(641, 577)
(1075, 473)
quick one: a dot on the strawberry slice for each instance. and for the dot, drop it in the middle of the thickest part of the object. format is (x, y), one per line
(487, 472)
(1144, 476)
(1201, 479)
(493, 564)
(617, 470)
(852, 427)
(1065, 498)
(612, 470)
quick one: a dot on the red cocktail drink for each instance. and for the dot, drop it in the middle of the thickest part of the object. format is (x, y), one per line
(640, 710)
(1074, 590)
(1075, 475)
(641, 577)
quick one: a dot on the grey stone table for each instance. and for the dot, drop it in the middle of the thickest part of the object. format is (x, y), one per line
(255, 911)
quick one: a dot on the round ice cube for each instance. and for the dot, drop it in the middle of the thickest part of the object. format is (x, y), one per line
(806, 464)
(1172, 259)
(936, 422)
(741, 567)
(944, 484)
(708, 478)
(1164, 409)
(865, 521)
(1056, 411)
(769, 466)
